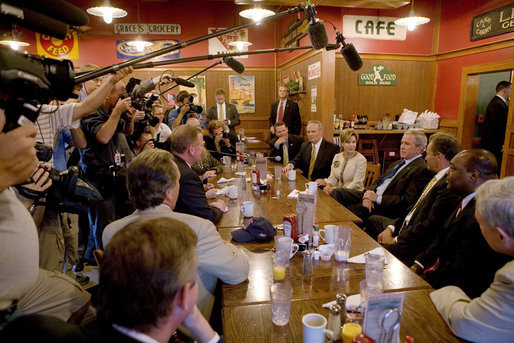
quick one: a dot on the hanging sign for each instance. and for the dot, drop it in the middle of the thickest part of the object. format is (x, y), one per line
(377, 75)
(356, 26)
(295, 31)
(219, 44)
(57, 48)
(125, 51)
(493, 23)
(147, 29)
(314, 71)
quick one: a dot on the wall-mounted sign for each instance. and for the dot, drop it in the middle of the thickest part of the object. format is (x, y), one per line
(314, 71)
(378, 75)
(219, 44)
(356, 26)
(493, 23)
(58, 48)
(124, 51)
(295, 31)
(242, 92)
(314, 98)
(147, 29)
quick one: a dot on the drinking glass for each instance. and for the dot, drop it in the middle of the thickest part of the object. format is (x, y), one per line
(374, 269)
(280, 295)
(343, 244)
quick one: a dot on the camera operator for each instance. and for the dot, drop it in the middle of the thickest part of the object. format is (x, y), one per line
(186, 109)
(219, 142)
(161, 132)
(143, 140)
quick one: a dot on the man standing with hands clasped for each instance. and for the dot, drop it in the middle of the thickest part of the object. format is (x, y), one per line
(287, 111)
(223, 111)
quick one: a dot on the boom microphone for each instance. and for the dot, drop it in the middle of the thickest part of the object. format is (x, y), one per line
(351, 57)
(183, 82)
(234, 64)
(316, 29)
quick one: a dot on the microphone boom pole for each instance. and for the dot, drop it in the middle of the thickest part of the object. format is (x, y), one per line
(115, 67)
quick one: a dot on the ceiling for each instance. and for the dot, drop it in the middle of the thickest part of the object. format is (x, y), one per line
(377, 4)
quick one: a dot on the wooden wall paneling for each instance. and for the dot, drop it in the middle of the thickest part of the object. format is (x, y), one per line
(415, 89)
(507, 168)
(467, 110)
(326, 94)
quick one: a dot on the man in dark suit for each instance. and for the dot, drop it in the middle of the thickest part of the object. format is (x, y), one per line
(493, 130)
(460, 256)
(148, 289)
(397, 189)
(315, 166)
(223, 111)
(285, 145)
(408, 236)
(287, 111)
(187, 145)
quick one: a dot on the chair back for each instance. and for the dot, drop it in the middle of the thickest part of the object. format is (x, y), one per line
(372, 174)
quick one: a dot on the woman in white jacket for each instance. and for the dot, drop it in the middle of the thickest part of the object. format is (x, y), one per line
(348, 167)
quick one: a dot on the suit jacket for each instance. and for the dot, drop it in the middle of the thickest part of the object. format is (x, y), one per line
(48, 329)
(428, 219)
(291, 116)
(354, 171)
(216, 258)
(230, 114)
(294, 144)
(405, 188)
(487, 318)
(465, 258)
(326, 153)
(493, 130)
(191, 197)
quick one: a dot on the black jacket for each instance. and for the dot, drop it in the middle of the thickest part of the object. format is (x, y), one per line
(323, 163)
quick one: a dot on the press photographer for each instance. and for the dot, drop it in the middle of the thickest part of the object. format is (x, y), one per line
(219, 142)
(186, 110)
(161, 132)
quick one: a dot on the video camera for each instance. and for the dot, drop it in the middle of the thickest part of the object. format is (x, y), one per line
(141, 104)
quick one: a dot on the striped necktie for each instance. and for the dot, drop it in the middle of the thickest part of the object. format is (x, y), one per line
(411, 213)
(312, 162)
(285, 153)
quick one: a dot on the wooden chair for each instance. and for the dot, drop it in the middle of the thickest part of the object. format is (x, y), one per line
(390, 156)
(372, 174)
(99, 255)
(369, 149)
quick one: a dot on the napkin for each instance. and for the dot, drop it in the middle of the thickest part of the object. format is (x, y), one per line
(293, 194)
(223, 191)
(223, 180)
(240, 173)
(361, 259)
(352, 302)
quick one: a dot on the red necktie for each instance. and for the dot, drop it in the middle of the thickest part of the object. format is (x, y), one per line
(459, 210)
(280, 111)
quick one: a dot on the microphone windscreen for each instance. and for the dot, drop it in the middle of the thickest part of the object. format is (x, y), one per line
(332, 47)
(57, 9)
(183, 82)
(38, 23)
(352, 57)
(234, 64)
(317, 34)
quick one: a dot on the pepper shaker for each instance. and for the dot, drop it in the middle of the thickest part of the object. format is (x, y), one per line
(307, 262)
(334, 322)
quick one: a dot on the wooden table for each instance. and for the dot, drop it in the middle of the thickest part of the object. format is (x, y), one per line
(252, 323)
(328, 278)
(327, 210)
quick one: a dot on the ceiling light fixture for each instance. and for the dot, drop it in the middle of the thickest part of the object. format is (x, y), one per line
(240, 45)
(107, 12)
(412, 20)
(139, 43)
(14, 43)
(256, 14)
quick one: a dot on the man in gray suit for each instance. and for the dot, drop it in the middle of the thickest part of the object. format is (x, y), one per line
(153, 184)
(223, 111)
(490, 317)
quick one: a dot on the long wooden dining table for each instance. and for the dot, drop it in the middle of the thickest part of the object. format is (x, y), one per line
(246, 312)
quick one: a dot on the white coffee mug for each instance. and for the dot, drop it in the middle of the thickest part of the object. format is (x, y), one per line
(311, 187)
(291, 175)
(331, 234)
(285, 243)
(232, 192)
(315, 328)
(226, 161)
(247, 209)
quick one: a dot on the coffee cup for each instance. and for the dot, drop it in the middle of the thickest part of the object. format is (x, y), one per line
(226, 161)
(315, 328)
(291, 175)
(232, 192)
(311, 187)
(247, 209)
(329, 234)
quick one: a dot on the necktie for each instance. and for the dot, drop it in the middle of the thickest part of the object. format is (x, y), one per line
(221, 113)
(313, 160)
(411, 213)
(392, 173)
(285, 153)
(280, 111)
(459, 210)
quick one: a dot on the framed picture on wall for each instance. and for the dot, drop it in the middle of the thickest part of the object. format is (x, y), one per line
(242, 92)
(200, 97)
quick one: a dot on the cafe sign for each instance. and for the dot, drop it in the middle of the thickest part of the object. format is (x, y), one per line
(372, 28)
(378, 75)
(493, 23)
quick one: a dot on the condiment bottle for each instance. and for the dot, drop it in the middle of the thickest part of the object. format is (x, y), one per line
(315, 236)
(256, 179)
(334, 321)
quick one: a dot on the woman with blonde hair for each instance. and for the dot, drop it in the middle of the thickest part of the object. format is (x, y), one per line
(348, 167)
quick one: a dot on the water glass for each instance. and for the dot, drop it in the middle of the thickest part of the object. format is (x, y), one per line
(278, 172)
(366, 290)
(343, 244)
(280, 295)
(374, 269)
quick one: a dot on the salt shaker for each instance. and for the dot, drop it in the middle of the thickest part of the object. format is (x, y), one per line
(334, 322)
(341, 301)
(307, 262)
